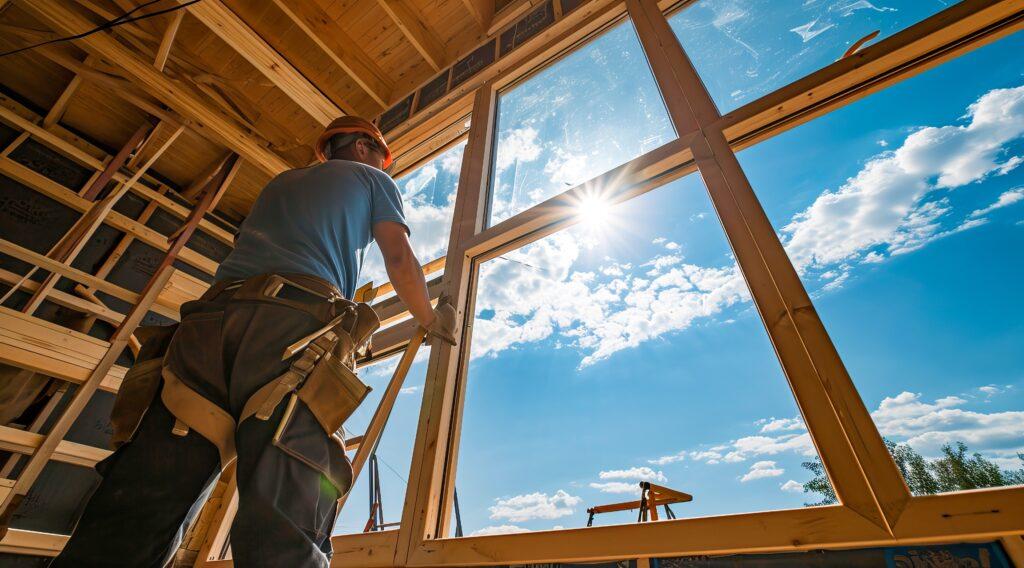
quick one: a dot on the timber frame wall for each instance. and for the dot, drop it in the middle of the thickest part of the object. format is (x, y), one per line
(876, 507)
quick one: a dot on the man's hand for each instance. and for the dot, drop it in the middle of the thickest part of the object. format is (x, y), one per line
(443, 326)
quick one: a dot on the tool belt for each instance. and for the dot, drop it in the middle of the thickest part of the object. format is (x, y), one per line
(321, 373)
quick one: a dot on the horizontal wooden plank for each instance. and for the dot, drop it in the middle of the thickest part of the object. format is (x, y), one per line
(18, 541)
(22, 442)
(31, 343)
(46, 263)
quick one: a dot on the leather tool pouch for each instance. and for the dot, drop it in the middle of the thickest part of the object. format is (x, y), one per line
(332, 391)
(301, 436)
(141, 383)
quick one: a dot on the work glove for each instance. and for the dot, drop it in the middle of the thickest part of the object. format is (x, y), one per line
(443, 326)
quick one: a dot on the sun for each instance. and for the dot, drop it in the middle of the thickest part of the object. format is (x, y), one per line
(593, 211)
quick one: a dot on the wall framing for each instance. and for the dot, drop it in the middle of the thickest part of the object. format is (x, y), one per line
(876, 509)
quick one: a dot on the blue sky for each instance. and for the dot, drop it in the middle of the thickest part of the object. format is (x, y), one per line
(627, 348)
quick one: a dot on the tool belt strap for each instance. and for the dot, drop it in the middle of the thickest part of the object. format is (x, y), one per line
(263, 402)
(193, 411)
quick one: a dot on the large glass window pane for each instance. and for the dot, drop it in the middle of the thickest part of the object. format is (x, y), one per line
(624, 349)
(904, 215)
(428, 196)
(744, 49)
(593, 110)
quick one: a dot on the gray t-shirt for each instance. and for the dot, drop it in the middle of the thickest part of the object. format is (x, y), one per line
(316, 220)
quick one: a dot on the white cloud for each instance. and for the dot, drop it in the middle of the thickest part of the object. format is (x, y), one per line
(519, 144)
(521, 508)
(1006, 198)
(792, 487)
(566, 169)
(928, 426)
(890, 207)
(885, 203)
(668, 459)
(781, 424)
(638, 473)
(848, 7)
(410, 390)
(499, 529)
(762, 469)
(990, 390)
(616, 487)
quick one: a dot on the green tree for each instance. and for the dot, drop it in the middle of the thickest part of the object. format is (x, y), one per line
(954, 471)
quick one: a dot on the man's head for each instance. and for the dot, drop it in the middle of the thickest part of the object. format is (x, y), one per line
(356, 139)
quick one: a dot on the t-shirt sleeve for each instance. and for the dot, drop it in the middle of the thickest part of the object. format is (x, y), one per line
(387, 201)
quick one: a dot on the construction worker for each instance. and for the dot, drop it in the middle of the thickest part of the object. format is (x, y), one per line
(230, 392)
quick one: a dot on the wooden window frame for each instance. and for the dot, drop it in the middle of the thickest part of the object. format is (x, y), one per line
(876, 507)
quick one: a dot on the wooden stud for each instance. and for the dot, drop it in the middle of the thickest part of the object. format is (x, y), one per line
(168, 40)
(482, 11)
(56, 111)
(425, 513)
(63, 195)
(74, 241)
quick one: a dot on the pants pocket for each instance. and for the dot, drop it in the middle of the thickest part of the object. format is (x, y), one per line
(300, 436)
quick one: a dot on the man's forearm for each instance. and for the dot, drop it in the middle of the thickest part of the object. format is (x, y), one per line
(410, 285)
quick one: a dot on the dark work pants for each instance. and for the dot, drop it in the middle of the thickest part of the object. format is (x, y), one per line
(155, 484)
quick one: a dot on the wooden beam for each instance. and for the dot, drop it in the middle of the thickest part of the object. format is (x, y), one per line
(413, 28)
(32, 543)
(64, 299)
(59, 16)
(37, 345)
(482, 11)
(168, 40)
(326, 32)
(236, 33)
(26, 443)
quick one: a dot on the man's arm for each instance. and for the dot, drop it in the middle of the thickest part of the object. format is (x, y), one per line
(404, 270)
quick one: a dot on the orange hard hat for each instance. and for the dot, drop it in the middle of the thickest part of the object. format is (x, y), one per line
(351, 125)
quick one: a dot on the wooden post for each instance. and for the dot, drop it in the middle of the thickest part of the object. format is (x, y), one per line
(855, 458)
(426, 511)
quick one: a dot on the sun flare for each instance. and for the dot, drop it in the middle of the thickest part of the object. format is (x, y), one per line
(593, 211)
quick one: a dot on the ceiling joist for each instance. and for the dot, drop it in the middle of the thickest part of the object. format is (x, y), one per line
(243, 39)
(57, 15)
(413, 28)
(340, 47)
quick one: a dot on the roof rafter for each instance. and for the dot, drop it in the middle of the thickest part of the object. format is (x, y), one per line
(268, 61)
(341, 48)
(61, 18)
(482, 11)
(413, 28)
